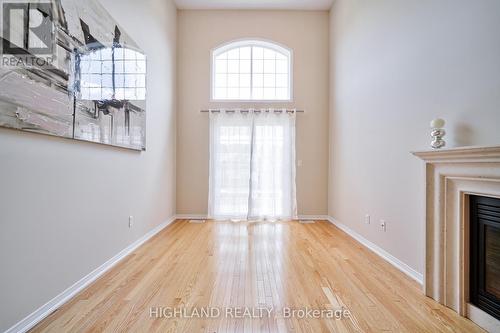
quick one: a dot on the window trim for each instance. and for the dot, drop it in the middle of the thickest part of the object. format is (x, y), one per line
(237, 43)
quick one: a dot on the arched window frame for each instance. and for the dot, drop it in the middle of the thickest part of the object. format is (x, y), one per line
(287, 52)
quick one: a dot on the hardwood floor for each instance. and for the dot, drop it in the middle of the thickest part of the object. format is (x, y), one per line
(229, 266)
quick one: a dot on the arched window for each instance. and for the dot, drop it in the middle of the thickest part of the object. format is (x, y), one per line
(251, 70)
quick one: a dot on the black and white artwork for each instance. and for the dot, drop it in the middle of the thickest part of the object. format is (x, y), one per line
(69, 70)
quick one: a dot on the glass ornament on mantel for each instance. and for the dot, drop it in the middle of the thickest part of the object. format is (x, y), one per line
(437, 133)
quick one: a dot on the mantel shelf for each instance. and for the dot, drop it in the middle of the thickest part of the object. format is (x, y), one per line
(461, 154)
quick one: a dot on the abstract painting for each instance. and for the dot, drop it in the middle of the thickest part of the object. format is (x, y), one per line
(69, 70)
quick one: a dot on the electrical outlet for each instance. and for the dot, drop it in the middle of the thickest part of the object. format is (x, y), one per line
(383, 225)
(367, 219)
(130, 221)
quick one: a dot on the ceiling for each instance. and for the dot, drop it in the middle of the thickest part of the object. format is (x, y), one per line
(255, 4)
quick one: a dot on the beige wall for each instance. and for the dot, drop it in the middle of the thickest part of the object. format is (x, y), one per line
(395, 66)
(306, 33)
(65, 204)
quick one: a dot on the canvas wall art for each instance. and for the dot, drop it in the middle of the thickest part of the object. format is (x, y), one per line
(69, 70)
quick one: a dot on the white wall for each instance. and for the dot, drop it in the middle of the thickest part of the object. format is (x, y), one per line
(306, 33)
(64, 205)
(395, 65)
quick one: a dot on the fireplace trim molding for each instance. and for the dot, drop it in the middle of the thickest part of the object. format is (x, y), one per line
(451, 176)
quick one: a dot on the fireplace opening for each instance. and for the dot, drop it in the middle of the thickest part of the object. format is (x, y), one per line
(485, 254)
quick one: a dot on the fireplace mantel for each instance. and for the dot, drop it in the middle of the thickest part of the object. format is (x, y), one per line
(461, 154)
(452, 175)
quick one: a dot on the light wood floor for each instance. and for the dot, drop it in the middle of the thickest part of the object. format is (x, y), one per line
(227, 265)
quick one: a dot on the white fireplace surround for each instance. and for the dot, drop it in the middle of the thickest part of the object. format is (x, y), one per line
(452, 175)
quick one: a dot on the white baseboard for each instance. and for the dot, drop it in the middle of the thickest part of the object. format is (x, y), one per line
(381, 252)
(191, 216)
(313, 217)
(34, 318)
(204, 217)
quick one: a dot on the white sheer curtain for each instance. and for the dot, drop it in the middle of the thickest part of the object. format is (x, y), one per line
(230, 153)
(252, 165)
